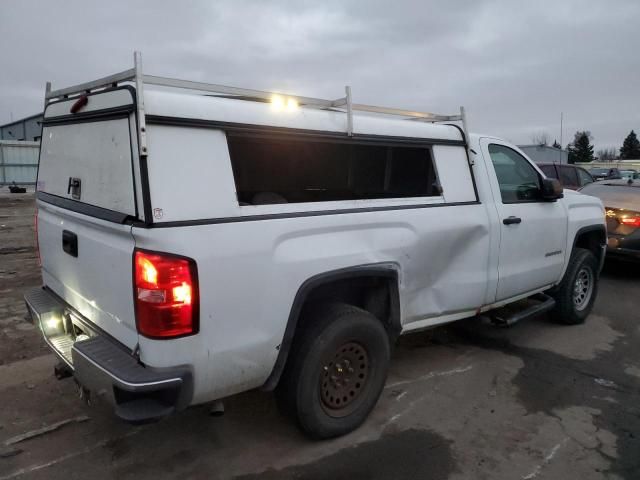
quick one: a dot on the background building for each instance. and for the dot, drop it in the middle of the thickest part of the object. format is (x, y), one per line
(18, 162)
(545, 153)
(29, 129)
(19, 147)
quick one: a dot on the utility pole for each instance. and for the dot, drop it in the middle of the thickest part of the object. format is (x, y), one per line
(561, 144)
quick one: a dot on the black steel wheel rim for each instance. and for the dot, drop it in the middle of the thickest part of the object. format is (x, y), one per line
(343, 379)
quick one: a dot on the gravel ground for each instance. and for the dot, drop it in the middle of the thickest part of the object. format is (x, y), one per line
(469, 401)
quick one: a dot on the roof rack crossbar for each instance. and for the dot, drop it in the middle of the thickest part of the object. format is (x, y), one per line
(425, 116)
(310, 101)
(244, 92)
(345, 103)
(99, 83)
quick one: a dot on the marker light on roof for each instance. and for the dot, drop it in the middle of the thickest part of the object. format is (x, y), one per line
(277, 102)
(280, 103)
(292, 104)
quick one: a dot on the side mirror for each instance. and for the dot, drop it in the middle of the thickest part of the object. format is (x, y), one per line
(551, 189)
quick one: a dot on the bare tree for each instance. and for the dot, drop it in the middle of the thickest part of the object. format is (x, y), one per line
(540, 138)
(607, 154)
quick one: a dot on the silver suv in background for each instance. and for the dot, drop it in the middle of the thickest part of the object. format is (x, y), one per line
(605, 174)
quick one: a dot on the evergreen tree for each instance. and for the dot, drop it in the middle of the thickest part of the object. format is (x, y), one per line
(581, 149)
(571, 155)
(556, 145)
(630, 147)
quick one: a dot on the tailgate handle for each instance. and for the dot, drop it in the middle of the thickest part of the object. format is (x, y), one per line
(70, 243)
(74, 188)
(512, 220)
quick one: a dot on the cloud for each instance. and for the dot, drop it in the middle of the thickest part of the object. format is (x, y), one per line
(514, 65)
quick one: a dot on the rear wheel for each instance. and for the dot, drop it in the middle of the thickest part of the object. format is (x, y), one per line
(336, 370)
(578, 290)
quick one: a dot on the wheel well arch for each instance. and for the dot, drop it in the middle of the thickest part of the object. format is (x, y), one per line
(373, 287)
(591, 238)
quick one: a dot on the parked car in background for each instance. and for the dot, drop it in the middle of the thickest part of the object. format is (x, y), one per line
(621, 199)
(570, 176)
(629, 174)
(605, 173)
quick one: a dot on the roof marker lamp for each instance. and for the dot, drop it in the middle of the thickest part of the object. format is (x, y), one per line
(280, 103)
(292, 104)
(277, 103)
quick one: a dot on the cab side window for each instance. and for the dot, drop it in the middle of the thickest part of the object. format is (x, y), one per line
(519, 181)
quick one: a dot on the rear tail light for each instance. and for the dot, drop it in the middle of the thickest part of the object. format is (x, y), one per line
(166, 295)
(630, 221)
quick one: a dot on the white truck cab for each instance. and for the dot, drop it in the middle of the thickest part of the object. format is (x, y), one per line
(196, 245)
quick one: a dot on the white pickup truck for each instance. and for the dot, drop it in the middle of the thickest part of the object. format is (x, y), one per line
(200, 240)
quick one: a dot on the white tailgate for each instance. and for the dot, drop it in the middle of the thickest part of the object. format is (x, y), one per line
(98, 282)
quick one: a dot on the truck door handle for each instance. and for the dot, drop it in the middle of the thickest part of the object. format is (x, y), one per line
(512, 220)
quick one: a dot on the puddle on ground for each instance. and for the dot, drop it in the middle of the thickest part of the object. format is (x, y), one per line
(409, 454)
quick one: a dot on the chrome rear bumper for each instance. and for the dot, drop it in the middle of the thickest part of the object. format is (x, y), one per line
(106, 368)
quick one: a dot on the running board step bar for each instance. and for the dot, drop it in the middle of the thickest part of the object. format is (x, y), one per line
(505, 318)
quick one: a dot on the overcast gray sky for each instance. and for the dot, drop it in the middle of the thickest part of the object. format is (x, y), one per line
(515, 65)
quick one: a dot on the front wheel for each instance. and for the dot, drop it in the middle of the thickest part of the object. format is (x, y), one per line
(578, 289)
(336, 370)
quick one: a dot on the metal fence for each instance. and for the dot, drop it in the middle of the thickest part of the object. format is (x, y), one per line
(619, 164)
(18, 162)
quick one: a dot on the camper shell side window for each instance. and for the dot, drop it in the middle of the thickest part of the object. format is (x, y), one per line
(288, 169)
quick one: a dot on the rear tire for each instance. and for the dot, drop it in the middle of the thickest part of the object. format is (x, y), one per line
(336, 370)
(578, 289)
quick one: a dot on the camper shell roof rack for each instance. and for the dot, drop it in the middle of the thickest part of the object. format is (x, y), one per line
(139, 79)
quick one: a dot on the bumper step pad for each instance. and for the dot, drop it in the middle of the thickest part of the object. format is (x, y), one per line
(120, 364)
(62, 345)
